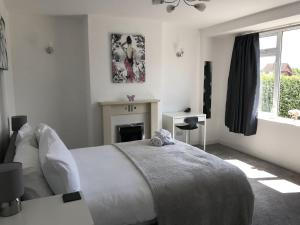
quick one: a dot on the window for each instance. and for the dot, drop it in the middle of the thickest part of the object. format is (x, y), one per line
(280, 73)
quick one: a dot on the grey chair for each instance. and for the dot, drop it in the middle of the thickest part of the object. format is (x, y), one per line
(190, 123)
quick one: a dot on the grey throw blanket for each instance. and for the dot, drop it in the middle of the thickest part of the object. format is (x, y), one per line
(191, 187)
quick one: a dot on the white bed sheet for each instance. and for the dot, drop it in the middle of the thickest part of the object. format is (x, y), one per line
(115, 191)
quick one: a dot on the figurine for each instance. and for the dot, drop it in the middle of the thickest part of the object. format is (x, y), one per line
(131, 98)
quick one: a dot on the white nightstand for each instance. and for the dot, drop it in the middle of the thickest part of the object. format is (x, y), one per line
(50, 211)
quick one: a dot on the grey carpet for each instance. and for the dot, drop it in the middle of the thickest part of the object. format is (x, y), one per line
(271, 207)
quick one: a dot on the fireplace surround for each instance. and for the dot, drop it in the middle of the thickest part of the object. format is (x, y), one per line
(113, 110)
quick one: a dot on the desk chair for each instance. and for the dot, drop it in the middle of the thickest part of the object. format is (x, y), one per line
(190, 123)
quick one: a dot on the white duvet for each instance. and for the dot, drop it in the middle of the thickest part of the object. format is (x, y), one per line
(115, 191)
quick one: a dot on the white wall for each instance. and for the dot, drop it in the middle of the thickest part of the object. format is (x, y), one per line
(182, 86)
(51, 88)
(102, 88)
(172, 80)
(7, 102)
(63, 89)
(278, 16)
(274, 142)
(181, 78)
(212, 123)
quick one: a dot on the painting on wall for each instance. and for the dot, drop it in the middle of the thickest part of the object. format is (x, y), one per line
(128, 58)
(3, 47)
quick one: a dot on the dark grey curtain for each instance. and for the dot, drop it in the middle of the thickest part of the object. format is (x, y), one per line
(243, 86)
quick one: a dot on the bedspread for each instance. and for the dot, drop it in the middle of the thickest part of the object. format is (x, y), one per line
(190, 186)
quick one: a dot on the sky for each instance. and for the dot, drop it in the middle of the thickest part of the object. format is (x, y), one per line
(290, 48)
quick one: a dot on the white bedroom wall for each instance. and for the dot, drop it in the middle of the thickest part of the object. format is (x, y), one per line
(51, 88)
(212, 128)
(181, 75)
(63, 89)
(279, 16)
(274, 142)
(7, 101)
(102, 88)
(167, 78)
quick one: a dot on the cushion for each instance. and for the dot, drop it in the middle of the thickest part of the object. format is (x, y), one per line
(35, 185)
(39, 130)
(26, 135)
(58, 165)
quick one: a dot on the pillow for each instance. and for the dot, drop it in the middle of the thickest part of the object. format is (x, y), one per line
(35, 185)
(39, 130)
(58, 165)
(26, 135)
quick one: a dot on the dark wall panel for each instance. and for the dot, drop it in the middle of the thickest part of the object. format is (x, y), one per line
(207, 89)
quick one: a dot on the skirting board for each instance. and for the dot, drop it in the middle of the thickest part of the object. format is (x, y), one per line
(251, 153)
(208, 142)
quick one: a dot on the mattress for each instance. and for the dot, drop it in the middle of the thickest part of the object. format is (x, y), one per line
(115, 191)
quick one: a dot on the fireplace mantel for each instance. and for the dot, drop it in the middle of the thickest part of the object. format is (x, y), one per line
(109, 109)
(143, 101)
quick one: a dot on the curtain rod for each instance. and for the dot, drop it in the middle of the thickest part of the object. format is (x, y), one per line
(291, 25)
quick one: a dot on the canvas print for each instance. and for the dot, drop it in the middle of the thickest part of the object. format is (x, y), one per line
(128, 58)
(3, 47)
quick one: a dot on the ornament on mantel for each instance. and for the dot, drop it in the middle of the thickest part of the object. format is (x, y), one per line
(131, 98)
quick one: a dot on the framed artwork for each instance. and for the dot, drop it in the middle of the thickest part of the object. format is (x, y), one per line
(128, 58)
(3, 46)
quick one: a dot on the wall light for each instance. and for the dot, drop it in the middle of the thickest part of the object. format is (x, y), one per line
(49, 49)
(178, 50)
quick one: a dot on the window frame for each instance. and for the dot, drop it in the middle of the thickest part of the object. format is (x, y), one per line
(277, 53)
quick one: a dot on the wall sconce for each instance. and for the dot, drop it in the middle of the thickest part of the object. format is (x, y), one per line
(179, 51)
(49, 49)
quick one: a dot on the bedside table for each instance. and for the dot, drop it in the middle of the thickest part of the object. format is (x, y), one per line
(50, 211)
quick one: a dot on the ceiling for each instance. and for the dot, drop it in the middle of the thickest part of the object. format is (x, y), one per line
(218, 11)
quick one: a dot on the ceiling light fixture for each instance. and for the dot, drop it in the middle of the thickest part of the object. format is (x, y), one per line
(197, 4)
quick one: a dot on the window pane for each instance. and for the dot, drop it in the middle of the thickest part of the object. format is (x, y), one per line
(267, 77)
(268, 42)
(290, 73)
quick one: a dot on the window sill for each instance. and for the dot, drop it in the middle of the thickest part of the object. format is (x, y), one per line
(280, 120)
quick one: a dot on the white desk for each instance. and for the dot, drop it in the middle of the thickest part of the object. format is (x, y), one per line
(171, 119)
(50, 211)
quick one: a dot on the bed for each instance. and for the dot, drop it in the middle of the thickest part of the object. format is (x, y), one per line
(113, 188)
(185, 185)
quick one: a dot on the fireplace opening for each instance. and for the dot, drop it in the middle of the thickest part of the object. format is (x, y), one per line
(130, 132)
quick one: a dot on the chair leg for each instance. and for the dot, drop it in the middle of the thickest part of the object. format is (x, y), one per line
(187, 136)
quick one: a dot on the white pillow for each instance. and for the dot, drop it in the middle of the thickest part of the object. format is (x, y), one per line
(35, 185)
(39, 131)
(26, 135)
(58, 165)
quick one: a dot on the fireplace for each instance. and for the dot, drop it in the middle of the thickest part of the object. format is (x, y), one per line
(130, 132)
(117, 113)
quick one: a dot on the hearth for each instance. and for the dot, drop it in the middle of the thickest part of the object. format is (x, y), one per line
(130, 132)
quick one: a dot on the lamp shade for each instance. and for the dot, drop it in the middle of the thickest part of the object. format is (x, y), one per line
(11, 181)
(17, 122)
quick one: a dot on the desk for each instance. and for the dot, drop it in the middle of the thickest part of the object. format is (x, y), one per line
(171, 119)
